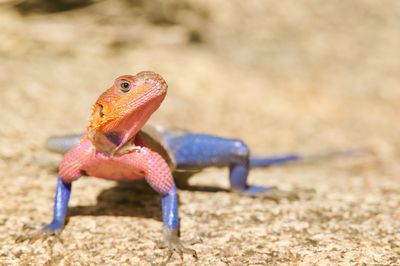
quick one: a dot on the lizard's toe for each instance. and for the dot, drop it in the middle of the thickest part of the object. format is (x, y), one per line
(173, 244)
(40, 233)
(272, 193)
(278, 194)
(179, 248)
(35, 236)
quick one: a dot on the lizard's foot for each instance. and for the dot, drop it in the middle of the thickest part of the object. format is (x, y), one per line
(272, 193)
(173, 243)
(42, 233)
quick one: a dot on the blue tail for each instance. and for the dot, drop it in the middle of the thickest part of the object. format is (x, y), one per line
(259, 161)
(62, 144)
(267, 161)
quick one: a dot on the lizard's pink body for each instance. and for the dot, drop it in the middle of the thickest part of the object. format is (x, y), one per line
(138, 164)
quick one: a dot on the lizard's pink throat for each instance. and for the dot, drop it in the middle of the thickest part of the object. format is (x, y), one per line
(121, 132)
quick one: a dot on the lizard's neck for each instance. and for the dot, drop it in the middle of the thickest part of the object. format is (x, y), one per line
(111, 144)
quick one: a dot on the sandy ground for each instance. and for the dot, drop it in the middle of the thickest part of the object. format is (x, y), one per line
(308, 76)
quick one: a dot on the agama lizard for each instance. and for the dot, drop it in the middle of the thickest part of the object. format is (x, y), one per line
(118, 146)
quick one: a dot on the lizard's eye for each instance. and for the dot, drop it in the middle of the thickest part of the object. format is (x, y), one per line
(124, 85)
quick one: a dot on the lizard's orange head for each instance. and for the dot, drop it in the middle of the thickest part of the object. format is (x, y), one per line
(122, 110)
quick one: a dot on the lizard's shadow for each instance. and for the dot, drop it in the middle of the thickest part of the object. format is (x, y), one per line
(134, 199)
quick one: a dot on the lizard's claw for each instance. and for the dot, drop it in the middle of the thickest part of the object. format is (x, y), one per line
(41, 233)
(173, 243)
(272, 193)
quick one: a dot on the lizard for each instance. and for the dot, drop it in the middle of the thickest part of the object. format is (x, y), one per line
(119, 146)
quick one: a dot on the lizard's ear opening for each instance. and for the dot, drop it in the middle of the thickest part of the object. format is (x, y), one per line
(100, 111)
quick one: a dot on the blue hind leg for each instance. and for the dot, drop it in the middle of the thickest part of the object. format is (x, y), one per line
(197, 151)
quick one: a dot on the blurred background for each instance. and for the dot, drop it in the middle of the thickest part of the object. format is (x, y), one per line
(281, 70)
(305, 76)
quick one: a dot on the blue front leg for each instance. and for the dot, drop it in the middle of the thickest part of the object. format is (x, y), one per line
(61, 199)
(197, 151)
(169, 204)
